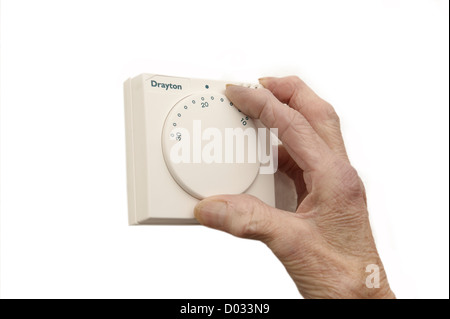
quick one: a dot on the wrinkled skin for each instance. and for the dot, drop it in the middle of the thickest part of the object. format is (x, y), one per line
(327, 243)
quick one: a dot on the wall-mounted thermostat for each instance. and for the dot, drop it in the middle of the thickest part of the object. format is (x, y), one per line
(186, 141)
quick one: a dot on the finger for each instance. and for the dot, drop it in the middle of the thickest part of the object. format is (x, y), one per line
(306, 148)
(319, 113)
(287, 165)
(246, 216)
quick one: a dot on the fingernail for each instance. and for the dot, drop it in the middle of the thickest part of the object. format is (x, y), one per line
(211, 213)
(262, 80)
(229, 84)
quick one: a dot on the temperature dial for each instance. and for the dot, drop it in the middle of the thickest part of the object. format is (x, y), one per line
(209, 146)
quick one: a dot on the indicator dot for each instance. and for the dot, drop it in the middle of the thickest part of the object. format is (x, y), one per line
(231, 103)
(203, 98)
(174, 124)
(206, 86)
(221, 99)
(179, 114)
(185, 107)
(212, 97)
(193, 101)
(171, 135)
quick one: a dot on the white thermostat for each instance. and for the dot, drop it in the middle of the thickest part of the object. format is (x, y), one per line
(186, 141)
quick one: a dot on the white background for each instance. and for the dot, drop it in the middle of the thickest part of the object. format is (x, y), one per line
(382, 64)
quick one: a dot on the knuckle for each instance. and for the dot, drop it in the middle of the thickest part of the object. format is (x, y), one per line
(250, 229)
(295, 80)
(266, 109)
(297, 86)
(350, 184)
(255, 221)
(326, 112)
(295, 124)
(331, 112)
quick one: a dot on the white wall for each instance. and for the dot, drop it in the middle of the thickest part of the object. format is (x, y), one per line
(382, 64)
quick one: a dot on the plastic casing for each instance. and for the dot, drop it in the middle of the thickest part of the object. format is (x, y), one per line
(154, 197)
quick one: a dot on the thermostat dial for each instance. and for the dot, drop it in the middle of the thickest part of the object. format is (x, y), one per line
(198, 135)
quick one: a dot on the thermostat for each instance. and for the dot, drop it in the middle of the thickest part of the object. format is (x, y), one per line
(185, 141)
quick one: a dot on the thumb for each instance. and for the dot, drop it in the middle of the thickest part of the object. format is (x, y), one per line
(244, 216)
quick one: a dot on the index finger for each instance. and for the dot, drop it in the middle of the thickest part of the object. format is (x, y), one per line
(301, 141)
(319, 113)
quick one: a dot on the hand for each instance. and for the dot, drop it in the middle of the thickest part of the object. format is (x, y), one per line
(327, 243)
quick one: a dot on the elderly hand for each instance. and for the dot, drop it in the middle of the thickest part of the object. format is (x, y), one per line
(327, 244)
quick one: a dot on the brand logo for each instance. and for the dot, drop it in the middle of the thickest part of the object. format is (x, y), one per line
(166, 86)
